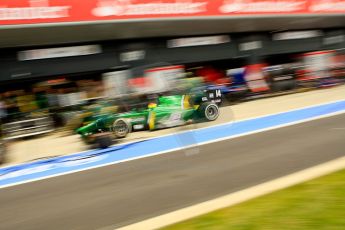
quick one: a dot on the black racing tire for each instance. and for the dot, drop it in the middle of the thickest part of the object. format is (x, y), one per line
(121, 128)
(103, 141)
(209, 111)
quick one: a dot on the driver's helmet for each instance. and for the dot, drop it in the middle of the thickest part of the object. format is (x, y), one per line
(152, 105)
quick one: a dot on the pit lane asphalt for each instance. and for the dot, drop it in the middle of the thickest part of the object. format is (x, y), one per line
(117, 195)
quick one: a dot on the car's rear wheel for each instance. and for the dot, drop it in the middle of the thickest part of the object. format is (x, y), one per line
(121, 127)
(209, 111)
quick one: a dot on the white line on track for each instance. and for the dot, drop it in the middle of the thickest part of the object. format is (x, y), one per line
(240, 196)
(190, 146)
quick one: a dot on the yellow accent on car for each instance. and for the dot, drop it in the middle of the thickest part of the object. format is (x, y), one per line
(186, 102)
(152, 105)
(151, 120)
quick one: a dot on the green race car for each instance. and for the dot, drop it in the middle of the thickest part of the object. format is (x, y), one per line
(166, 111)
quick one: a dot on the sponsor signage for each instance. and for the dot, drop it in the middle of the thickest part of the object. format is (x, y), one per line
(233, 6)
(297, 35)
(59, 52)
(331, 40)
(132, 56)
(198, 41)
(254, 45)
(13, 12)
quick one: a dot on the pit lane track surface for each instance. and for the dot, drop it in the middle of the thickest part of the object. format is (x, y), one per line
(57, 166)
(117, 195)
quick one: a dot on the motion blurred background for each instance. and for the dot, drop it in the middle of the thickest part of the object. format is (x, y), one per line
(66, 63)
(62, 61)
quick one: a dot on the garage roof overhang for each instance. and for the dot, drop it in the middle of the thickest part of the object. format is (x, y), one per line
(64, 33)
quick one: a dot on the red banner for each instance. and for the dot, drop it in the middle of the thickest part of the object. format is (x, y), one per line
(54, 11)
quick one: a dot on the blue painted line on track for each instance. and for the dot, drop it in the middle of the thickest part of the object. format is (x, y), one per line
(93, 158)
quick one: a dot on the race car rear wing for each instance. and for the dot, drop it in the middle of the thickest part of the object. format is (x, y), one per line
(213, 95)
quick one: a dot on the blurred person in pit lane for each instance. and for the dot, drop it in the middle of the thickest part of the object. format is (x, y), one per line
(11, 104)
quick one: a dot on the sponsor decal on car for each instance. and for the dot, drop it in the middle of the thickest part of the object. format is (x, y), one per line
(172, 120)
(214, 96)
(138, 127)
(138, 119)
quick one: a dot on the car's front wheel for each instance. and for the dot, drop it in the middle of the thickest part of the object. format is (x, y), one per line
(121, 127)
